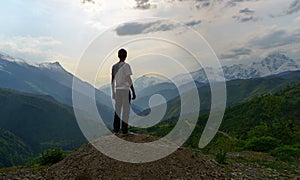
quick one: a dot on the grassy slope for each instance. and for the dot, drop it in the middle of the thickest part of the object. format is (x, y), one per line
(40, 122)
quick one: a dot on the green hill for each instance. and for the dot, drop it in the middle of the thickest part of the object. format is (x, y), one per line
(40, 122)
(268, 123)
(13, 150)
(237, 91)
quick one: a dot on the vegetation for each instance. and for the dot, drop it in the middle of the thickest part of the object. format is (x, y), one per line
(286, 153)
(51, 156)
(13, 150)
(33, 124)
(269, 123)
(221, 157)
(262, 144)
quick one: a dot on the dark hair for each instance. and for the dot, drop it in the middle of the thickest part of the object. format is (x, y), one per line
(122, 54)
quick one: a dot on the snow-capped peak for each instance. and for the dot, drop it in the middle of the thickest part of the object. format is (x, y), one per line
(11, 59)
(54, 66)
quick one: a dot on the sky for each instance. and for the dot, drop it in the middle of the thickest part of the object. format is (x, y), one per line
(158, 34)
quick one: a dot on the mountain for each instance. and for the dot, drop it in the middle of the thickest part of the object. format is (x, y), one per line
(274, 63)
(268, 123)
(140, 83)
(39, 121)
(238, 91)
(46, 78)
(49, 79)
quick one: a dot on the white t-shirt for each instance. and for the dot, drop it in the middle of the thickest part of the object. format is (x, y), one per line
(121, 71)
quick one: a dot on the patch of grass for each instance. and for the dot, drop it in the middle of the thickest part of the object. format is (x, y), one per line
(266, 161)
(221, 157)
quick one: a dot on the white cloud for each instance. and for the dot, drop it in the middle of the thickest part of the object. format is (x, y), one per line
(32, 48)
(28, 44)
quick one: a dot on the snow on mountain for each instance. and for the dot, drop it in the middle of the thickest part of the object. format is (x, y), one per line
(147, 81)
(11, 59)
(139, 83)
(273, 64)
(43, 78)
(55, 66)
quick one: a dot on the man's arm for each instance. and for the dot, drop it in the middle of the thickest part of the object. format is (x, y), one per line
(113, 86)
(131, 87)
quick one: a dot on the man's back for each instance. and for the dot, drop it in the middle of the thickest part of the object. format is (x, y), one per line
(121, 71)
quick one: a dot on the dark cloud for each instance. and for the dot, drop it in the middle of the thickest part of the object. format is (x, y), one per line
(246, 11)
(136, 28)
(193, 23)
(245, 15)
(277, 38)
(144, 4)
(235, 2)
(236, 53)
(243, 19)
(133, 28)
(202, 4)
(294, 7)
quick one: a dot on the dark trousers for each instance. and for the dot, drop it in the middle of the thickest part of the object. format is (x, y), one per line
(122, 103)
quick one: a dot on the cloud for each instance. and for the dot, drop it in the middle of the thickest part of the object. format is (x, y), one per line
(246, 11)
(202, 4)
(294, 7)
(243, 19)
(232, 3)
(39, 48)
(273, 39)
(193, 23)
(236, 53)
(276, 38)
(144, 5)
(29, 44)
(136, 28)
(245, 15)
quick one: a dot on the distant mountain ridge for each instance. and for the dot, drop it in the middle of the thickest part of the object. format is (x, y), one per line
(48, 79)
(274, 63)
(35, 123)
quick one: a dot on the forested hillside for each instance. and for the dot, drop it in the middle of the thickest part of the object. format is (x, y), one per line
(269, 123)
(13, 150)
(36, 123)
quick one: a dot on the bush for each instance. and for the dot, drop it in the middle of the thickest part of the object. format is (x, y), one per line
(51, 156)
(221, 157)
(262, 144)
(286, 153)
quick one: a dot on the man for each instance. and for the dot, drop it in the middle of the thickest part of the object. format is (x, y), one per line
(121, 84)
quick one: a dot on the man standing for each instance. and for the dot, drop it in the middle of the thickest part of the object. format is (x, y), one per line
(121, 84)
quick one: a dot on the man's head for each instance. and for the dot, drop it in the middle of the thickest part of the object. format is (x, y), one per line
(122, 54)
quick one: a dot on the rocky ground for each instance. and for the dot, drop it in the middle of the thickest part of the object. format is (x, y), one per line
(89, 163)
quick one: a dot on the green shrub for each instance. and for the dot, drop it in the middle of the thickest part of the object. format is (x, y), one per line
(51, 156)
(259, 131)
(286, 152)
(262, 144)
(221, 157)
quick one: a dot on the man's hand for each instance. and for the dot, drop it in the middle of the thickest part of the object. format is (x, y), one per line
(133, 96)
